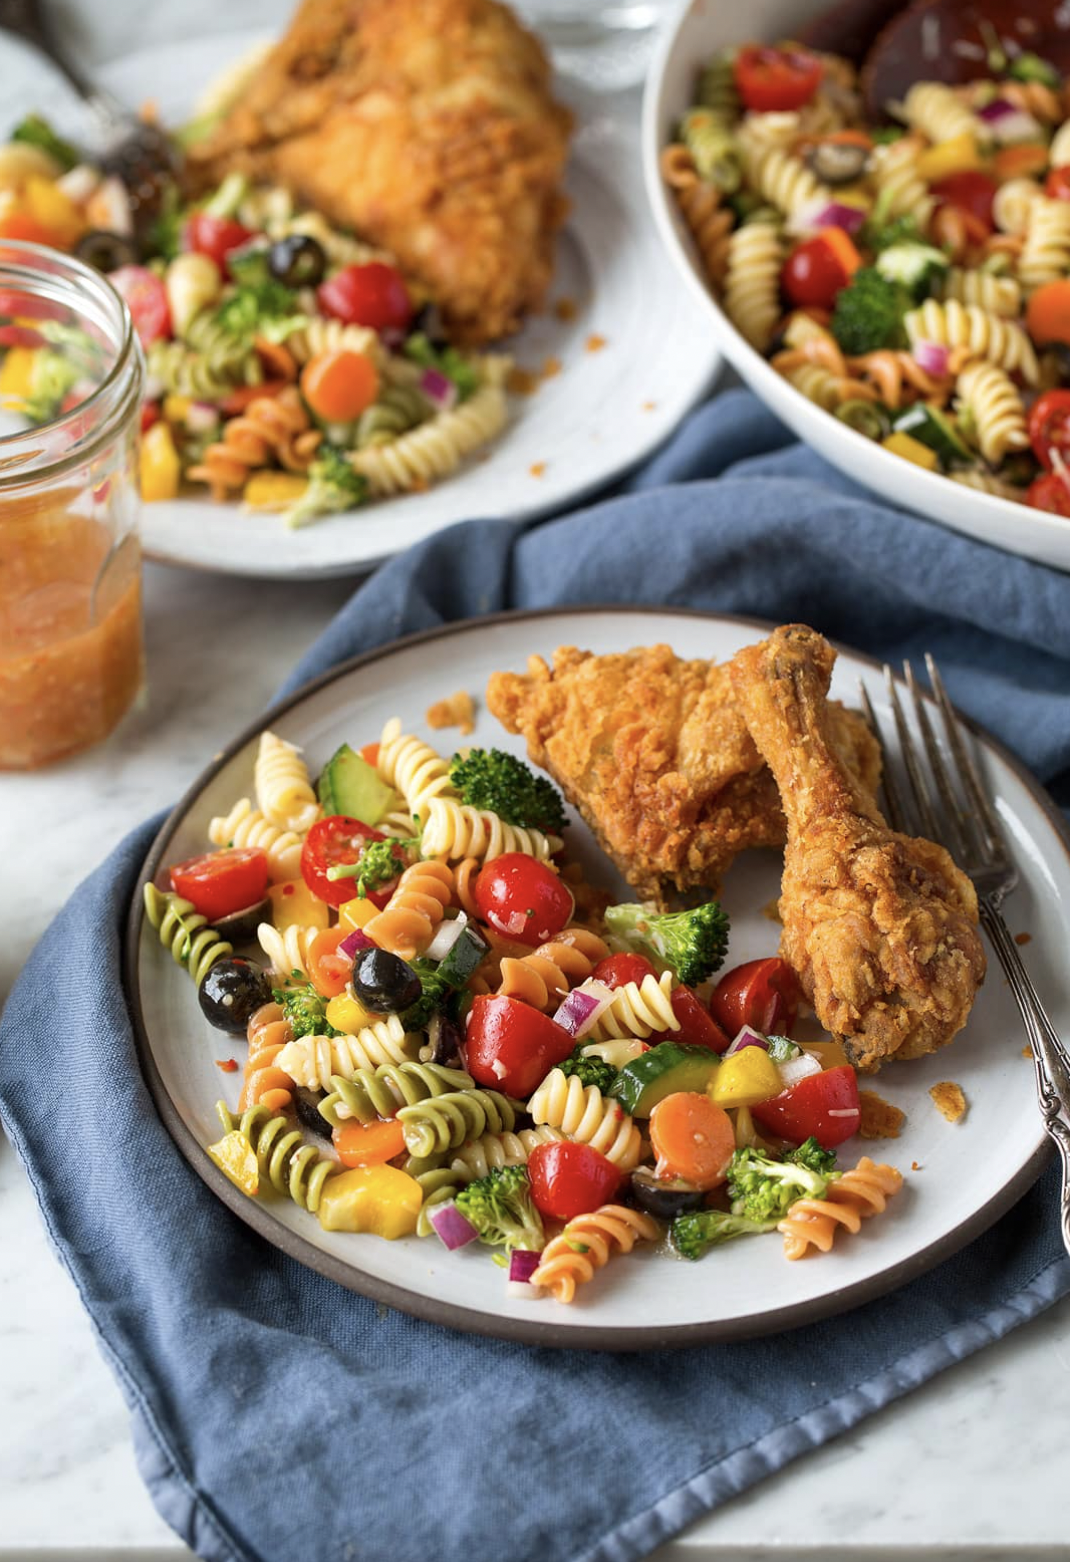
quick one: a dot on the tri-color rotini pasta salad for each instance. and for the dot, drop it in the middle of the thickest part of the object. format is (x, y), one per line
(289, 365)
(452, 1035)
(911, 276)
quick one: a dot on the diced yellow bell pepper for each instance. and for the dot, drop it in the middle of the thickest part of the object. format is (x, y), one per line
(176, 408)
(273, 490)
(949, 157)
(16, 373)
(348, 1014)
(294, 905)
(901, 444)
(47, 203)
(745, 1078)
(234, 1155)
(828, 1053)
(380, 1199)
(160, 467)
(357, 912)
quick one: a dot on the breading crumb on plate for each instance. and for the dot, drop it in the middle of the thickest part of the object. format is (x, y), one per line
(550, 368)
(457, 711)
(1023, 938)
(566, 309)
(537, 468)
(521, 382)
(949, 1100)
(915, 1166)
(595, 343)
(879, 1119)
(1027, 1052)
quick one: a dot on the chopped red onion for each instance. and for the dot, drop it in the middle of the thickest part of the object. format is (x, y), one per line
(582, 1007)
(1008, 123)
(826, 214)
(452, 1227)
(438, 388)
(747, 1037)
(523, 1264)
(354, 942)
(447, 935)
(998, 109)
(932, 357)
(795, 1069)
(202, 417)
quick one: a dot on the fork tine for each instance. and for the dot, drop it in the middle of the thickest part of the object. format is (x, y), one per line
(907, 747)
(957, 820)
(987, 821)
(896, 812)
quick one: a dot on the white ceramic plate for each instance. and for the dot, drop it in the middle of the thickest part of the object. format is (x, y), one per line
(704, 27)
(968, 1174)
(599, 417)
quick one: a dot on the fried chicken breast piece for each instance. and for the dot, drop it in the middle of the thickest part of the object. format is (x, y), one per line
(654, 754)
(881, 927)
(428, 127)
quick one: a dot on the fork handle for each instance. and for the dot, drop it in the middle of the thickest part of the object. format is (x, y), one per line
(1051, 1062)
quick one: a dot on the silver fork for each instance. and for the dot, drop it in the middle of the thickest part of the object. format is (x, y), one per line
(972, 835)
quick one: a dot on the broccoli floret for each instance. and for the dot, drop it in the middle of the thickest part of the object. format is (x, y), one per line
(1030, 67)
(869, 313)
(435, 996)
(377, 864)
(881, 235)
(51, 377)
(502, 1210)
(693, 943)
(243, 313)
(491, 779)
(333, 485)
(589, 1071)
(762, 1188)
(693, 1234)
(36, 131)
(916, 266)
(305, 1009)
(781, 1048)
(447, 360)
(884, 135)
(810, 1154)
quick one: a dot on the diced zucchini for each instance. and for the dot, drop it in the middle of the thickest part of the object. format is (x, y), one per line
(931, 427)
(661, 1072)
(349, 785)
(461, 961)
(913, 265)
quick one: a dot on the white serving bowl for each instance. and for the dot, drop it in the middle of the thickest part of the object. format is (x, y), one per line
(702, 28)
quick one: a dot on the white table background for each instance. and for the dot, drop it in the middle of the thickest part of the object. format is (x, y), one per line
(972, 1467)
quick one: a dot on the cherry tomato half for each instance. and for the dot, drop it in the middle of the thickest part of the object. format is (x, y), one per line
(27, 306)
(813, 274)
(972, 190)
(374, 295)
(1049, 493)
(329, 971)
(20, 336)
(146, 299)
(215, 236)
(825, 1105)
(570, 1179)
(510, 1046)
(1057, 184)
(523, 898)
(697, 1026)
(336, 841)
(1049, 426)
(618, 970)
(762, 993)
(224, 881)
(774, 79)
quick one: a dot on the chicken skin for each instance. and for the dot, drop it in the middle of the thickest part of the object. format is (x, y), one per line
(654, 754)
(881, 927)
(428, 127)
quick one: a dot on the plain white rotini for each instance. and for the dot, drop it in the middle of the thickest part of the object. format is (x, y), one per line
(1013, 202)
(246, 826)
(320, 335)
(999, 295)
(436, 448)
(996, 409)
(1045, 254)
(418, 771)
(1059, 151)
(287, 950)
(752, 281)
(940, 114)
(583, 1114)
(900, 188)
(192, 282)
(986, 483)
(283, 787)
(781, 179)
(491, 1151)
(779, 129)
(312, 1060)
(984, 335)
(228, 85)
(454, 830)
(817, 384)
(638, 1009)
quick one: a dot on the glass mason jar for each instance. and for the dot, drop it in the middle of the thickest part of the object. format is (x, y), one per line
(71, 378)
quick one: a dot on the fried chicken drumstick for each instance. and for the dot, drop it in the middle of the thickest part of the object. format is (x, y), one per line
(881, 927)
(425, 125)
(654, 754)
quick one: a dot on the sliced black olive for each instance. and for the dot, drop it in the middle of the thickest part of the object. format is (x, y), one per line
(384, 982)
(231, 993)
(428, 322)
(837, 162)
(106, 251)
(298, 260)
(240, 926)
(444, 1037)
(307, 1106)
(664, 1196)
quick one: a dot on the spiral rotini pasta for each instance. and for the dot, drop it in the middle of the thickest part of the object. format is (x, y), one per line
(320, 335)
(268, 1032)
(1013, 202)
(287, 950)
(379, 1092)
(638, 1009)
(314, 1061)
(996, 408)
(1059, 150)
(774, 129)
(1002, 342)
(713, 147)
(702, 208)
(246, 826)
(900, 188)
(283, 788)
(464, 874)
(813, 1223)
(291, 1166)
(417, 770)
(407, 922)
(587, 1243)
(439, 1184)
(717, 87)
(479, 1156)
(399, 407)
(204, 374)
(583, 1114)
(1045, 254)
(454, 830)
(437, 447)
(751, 289)
(986, 483)
(272, 428)
(184, 932)
(998, 295)
(940, 114)
(545, 975)
(446, 1121)
(781, 179)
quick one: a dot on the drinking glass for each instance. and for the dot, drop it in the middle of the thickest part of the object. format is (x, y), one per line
(605, 43)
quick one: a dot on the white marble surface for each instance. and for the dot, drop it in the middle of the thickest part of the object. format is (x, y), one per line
(971, 1467)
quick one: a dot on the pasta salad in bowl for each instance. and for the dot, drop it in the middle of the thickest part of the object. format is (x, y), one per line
(884, 252)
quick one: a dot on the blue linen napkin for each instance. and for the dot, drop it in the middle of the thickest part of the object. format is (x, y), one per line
(277, 1415)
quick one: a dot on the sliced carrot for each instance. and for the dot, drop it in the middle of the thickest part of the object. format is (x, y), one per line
(368, 1144)
(849, 138)
(339, 384)
(1024, 161)
(841, 246)
(1047, 314)
(328, 970)
(370, 753)
(237, 401)
(692, 1138)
